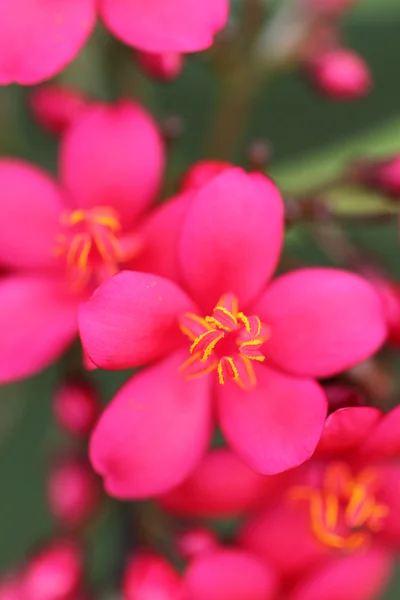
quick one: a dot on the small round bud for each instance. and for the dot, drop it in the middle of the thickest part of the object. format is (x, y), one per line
(150, 576)
(192, 542)
(76, 407)
(166, 66)
(202, 172)
(54, 107)
(381, 175)
(340, 75)
(259, 155)
(73, 492)
(54, 573)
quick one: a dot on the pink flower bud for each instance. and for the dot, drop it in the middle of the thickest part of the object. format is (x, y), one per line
(192, 542)
(76, 407)
(342, 395)
(329, 8)
(202, 172)
(148, 576)
(166, 66)
(340, 75)
(381, 175)
(10, 587)
(54, 573)
(73, 492)
(54, 107)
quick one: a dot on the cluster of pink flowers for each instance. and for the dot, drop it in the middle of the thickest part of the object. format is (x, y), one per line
(228, 413)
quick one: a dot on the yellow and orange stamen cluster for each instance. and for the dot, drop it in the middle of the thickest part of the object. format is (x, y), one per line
(89, 242)
(228, 342)
(344, 510)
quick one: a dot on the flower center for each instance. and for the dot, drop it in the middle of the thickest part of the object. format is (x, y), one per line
(228, 341)
(344, 510)
(88, 241)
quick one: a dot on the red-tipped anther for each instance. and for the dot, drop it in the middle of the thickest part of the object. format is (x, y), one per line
(73, 492)
(76, 407)
(55, 107)
(54, 573)
(166, 66)
(340, 75)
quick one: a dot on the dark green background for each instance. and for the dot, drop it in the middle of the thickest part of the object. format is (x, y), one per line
(310, 137)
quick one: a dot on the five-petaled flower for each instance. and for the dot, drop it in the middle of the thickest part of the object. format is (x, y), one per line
(38, 38)
(334, 528)
(59, 242)
(226, 341)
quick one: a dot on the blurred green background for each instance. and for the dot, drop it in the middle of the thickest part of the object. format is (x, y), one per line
(311, 139)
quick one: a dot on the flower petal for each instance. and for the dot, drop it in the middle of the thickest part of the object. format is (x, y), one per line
(159, 235)
(38, 38)
(37, 322)
(231, 237)
(131, 320)
(221, 486)
(322, 321)
(388, 494)
(30, 212)
(359, 576)
(153, 433)
(165, 25)
(346, 428)
(229, 573)
(283, 538)
(275, 426)
(384, 440)
(113, 156)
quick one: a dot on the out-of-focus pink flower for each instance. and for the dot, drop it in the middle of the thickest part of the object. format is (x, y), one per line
(224, 336)
(202, 172)
(340, 74)
(221, 486)
(60, 241)
(54, 573)
(339, 510)
(165, 66)
(55, 107)
(10, 587)
(73, 492)
(227, 573)
(76, 407)
(381, 175)
(38, 38)
(194, 541)
(149, 576)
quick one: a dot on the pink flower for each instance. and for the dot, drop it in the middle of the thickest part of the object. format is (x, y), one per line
(59, 242)
(38, 38)
(226, 342)
(55, 107)
(336, 523)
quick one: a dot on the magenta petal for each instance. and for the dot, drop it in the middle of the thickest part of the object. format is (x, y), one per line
(30, 211)
(388, 479)
(283, 538)
(384, 440)
(132, 319)
(153, 433)
(359, 576)
(159, 235)
(38, 38)
(322, 321)
(221, 486)
(165, 25)
(229, 574)
(37, 323)
(231, 237)
(113, 156)
(277, 425)
(346, 428)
